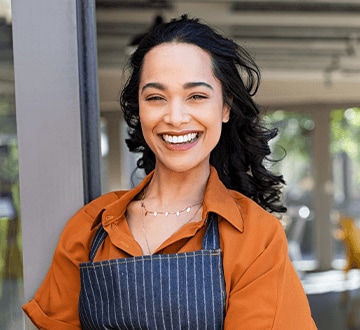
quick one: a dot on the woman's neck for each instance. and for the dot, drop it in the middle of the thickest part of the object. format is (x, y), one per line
(169, 188)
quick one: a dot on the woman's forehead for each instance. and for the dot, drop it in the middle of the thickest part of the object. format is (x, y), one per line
(177, 61)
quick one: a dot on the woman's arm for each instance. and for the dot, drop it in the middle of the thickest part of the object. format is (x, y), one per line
(264, 291)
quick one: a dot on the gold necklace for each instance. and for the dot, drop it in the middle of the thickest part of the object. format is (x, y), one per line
(177, 229)
(186, 209)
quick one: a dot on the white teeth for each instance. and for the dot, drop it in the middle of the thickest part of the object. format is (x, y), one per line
(179, 138)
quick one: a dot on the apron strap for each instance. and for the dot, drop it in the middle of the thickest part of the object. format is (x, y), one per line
(210, 240)
(98, 239)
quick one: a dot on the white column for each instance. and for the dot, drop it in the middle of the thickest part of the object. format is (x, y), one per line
(49, 132)
(323, 195)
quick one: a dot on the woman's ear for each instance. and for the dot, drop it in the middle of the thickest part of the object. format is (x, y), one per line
(226, 109)
(226, 113)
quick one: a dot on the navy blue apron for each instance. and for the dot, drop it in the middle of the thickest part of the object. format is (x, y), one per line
(160, 291)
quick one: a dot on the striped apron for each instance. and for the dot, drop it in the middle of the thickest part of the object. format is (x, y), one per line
(160, 291)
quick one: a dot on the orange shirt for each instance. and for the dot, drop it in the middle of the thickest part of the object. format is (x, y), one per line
(263, 290)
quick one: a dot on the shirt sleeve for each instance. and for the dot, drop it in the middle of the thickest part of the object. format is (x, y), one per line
(55, 304)
(265, 291)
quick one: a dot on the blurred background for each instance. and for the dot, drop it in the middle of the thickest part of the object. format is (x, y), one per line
(309, 56)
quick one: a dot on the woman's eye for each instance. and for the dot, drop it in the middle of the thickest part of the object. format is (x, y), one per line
(154, 98)
(198, 97)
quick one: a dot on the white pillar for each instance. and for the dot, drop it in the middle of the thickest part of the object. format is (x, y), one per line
(323, 195)
(48, 109)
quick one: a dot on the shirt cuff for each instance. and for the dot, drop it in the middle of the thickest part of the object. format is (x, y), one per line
(42, 321)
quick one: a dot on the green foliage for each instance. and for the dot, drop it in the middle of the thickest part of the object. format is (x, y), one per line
(293, 142)
(345, 132)
(8, 142)
(294, 128)
(295, 131)
(10, 164)
(3, 241)
(7, 115)
(345, 139)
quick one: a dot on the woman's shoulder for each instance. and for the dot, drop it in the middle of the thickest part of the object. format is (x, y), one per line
(84, 222)
(253, 214)
(98, 204)
(261, 231)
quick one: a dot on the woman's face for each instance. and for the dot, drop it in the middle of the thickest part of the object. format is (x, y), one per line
(181, 106)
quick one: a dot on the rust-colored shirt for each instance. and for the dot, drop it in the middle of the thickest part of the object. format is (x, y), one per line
(263, 290)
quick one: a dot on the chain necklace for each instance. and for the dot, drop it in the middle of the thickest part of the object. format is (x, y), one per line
(186, 209)
(177, 229)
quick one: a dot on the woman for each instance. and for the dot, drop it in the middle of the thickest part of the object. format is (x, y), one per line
(194, 245)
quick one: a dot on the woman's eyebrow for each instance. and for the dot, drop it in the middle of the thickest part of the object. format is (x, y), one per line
(186, 85)
(196, 84)
(153, 85)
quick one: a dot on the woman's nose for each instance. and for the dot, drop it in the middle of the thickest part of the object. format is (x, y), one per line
(176, 113)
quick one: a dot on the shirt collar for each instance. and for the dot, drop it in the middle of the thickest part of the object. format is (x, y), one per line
(222, 201)
(117, 209)
(218, 199)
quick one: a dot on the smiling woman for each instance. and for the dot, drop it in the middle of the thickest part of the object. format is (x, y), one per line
(194, 245)
(180, 99)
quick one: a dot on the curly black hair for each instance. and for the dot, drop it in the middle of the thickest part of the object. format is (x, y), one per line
(243, 148)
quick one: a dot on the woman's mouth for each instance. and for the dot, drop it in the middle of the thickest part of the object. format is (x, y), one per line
(180, 139)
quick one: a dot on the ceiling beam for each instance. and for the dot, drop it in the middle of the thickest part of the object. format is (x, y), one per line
(338, 7)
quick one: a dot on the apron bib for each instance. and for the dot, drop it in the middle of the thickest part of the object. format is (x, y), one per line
(161, 291)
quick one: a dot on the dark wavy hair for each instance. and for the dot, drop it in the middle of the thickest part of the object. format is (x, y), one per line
(243, 148)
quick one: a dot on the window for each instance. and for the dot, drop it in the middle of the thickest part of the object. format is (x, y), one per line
(11, 272)
(345, 137)
(293, 147)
